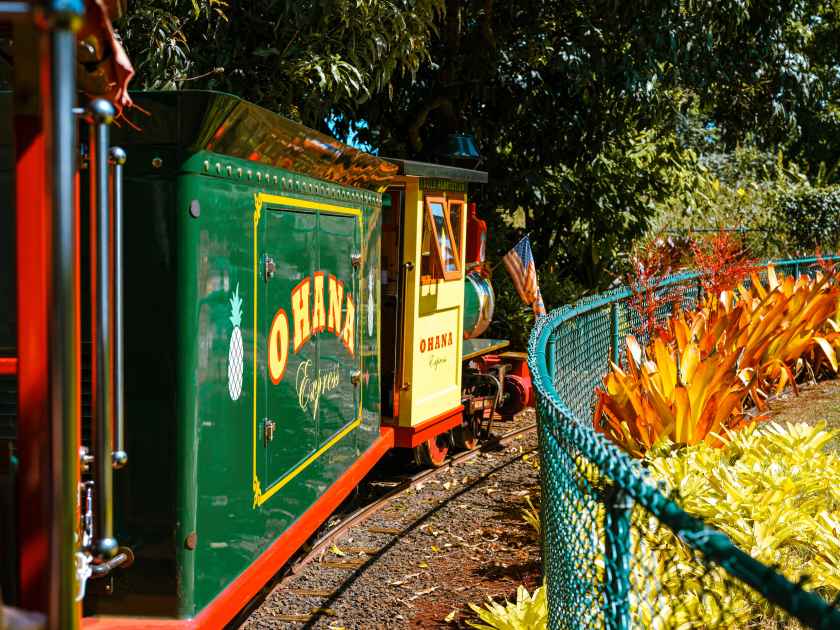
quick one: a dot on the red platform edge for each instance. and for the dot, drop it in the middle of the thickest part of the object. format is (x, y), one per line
(409, 437)
(8, 366)
(239, 592)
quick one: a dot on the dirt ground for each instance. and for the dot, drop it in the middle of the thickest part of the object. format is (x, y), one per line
(418, 563)
(820, 402)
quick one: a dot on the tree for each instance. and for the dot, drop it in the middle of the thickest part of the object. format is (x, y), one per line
(577, 106)
(813, 47)
(298, 57)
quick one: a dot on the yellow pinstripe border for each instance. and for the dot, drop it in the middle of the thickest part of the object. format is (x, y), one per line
(261, 497)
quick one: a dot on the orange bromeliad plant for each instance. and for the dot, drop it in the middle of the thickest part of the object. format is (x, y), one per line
(780, 325)
(692, 383)
(670, 391)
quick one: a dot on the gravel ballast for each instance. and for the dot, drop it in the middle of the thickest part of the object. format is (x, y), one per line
(457, 538)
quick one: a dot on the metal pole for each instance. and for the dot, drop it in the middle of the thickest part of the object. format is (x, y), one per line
(619, 506)
(119, 457)
(551, 358)
(614, 341)
(102, 115)
(63, 305)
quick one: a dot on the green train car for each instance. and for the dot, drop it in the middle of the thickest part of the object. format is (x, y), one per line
(287, 310)
(246, 345)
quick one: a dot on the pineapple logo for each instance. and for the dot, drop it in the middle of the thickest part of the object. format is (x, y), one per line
(235, 349)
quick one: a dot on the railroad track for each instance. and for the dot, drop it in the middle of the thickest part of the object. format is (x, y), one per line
(324, 543)
(365, 512)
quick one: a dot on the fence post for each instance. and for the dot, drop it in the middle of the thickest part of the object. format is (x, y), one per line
(614, 342)
(617, 551)
(551, 359)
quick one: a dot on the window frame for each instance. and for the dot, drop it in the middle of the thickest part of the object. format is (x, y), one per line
(461, 235)
(447, 275)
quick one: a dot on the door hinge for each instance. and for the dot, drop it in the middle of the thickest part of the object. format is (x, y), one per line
(269, 269)
(356, 377)
(269, 427)
(356, 259)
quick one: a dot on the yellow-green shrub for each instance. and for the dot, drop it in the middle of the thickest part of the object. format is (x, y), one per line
(773, 490)
(528, 612)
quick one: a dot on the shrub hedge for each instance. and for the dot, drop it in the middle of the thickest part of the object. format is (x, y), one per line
(809, 218)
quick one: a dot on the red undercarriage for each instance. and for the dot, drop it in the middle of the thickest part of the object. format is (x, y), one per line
(409, 437)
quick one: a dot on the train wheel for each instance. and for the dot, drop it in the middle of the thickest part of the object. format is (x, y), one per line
(433, 451)
(466, 435)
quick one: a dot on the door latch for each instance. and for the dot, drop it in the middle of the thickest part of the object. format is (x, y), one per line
(356, 259)
(269, 427)
(356, 377)
(270, 268)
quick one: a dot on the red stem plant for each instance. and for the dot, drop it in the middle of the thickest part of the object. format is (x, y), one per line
(722, 262)
(652, 263)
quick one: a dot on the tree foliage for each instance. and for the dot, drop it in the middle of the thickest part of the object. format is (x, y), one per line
(298, 57)
(576, 106)
(589, 114)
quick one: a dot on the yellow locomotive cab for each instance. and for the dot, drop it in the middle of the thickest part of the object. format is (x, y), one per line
(423, 275)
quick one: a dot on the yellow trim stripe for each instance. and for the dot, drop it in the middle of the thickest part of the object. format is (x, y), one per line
(257, 212)
(306, 204)
(299, 468)
(261, 497)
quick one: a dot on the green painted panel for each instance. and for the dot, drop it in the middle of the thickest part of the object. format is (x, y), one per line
(145, 491)
(233, 528)
(339, 241)
(196, 384)
(291, 240)
(214, 415)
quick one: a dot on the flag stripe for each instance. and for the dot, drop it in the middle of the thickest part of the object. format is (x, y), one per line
(522, 268)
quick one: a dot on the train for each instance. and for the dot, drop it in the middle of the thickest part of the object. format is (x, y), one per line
(217, 324)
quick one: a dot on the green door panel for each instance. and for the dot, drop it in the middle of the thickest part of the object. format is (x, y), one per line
(291, 240)
(339, 400)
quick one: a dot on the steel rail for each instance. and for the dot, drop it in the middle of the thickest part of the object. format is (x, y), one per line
(102, 114)
(366, 511)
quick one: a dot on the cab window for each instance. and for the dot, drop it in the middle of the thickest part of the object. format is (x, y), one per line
(456, 216)
(441, 252)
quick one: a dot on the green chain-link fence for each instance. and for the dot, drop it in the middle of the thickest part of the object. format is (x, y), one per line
(610, 536)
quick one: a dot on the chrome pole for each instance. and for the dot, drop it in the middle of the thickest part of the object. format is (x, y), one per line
(102, 113)
(119, 457)
(63, 307)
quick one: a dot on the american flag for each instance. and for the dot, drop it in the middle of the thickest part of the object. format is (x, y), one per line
(523, 271)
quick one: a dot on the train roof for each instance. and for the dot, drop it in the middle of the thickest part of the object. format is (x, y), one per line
(203, 120)
(200, 120)
(440, 171)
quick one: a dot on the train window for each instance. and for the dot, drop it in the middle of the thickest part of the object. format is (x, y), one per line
(456, 216)
(439, 243)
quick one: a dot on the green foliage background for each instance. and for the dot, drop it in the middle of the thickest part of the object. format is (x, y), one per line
(600, 122)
